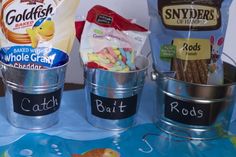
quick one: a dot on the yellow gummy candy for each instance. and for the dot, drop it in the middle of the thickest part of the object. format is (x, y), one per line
(120, 57)
(109, 57)
(117, 52)
(92, 57)
(126, 69)
(116, 68)
(108, 66)
(103, 59)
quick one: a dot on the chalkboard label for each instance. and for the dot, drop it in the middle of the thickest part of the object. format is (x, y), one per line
(36, 104)
(114, 109)
(189, 112)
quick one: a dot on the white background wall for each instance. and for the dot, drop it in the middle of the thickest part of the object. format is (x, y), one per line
(135, 9)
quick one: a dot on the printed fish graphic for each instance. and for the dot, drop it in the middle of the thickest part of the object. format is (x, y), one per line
(43, 30)
(103, 152)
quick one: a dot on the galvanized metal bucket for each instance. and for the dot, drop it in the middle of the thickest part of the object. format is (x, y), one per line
(113, 97)
(33, 96)
(195, 111)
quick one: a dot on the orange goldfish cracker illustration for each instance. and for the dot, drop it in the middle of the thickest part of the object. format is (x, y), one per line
(102, 152)
(43, 30)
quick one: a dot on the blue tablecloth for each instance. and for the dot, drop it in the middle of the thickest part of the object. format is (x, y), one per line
(74, 136)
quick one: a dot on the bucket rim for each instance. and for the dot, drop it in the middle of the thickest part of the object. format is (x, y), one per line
(47, 69)
(91, 84)
(123, 72)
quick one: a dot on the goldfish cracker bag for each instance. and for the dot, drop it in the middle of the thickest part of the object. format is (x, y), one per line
(36, 34)
(187, 38)
(110, 41)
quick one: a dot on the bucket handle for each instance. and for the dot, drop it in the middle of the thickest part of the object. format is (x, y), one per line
(230, 58)
(1, 67)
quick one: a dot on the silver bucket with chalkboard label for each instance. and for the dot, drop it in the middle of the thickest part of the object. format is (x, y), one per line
(33, 96)
(195, 111)
(113, 97)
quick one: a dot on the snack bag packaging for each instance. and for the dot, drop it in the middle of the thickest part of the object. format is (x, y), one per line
(187, 38)
(110, 41)
(36, 34)
(79, 26)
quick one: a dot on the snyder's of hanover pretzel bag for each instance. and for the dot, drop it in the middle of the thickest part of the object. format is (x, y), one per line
(187, 38)
(36, 34)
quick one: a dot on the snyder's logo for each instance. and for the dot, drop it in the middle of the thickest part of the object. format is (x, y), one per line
(191, 16)
(32, 1)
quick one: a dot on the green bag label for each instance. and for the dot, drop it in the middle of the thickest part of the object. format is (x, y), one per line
(168, 51)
